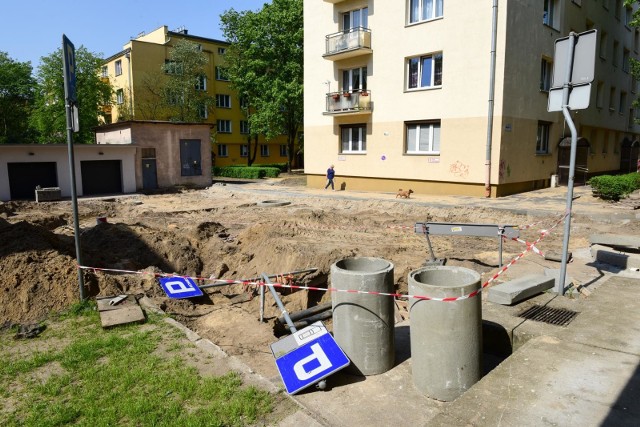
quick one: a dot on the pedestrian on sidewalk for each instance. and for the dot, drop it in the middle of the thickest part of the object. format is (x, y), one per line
(331, 173)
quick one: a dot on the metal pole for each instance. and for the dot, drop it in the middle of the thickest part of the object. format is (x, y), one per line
(74, 197)
(284, 311)
(501, 237)
(492, 83)
(572, 164)
(261, 303)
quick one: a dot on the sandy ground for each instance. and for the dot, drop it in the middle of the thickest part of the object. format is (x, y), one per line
(227, 231)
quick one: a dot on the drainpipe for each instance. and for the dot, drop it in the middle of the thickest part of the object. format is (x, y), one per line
(492, 85)
(128, 56)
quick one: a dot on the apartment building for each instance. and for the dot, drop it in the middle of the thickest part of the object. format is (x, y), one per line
(398, 94)
(136, 75)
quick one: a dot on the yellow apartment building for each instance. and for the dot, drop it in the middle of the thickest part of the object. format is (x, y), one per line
(398, 94)
(136, 76)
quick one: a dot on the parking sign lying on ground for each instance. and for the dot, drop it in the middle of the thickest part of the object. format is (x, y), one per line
(180, 287)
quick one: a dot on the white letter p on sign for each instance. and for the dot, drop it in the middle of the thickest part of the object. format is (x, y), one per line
(319, 354)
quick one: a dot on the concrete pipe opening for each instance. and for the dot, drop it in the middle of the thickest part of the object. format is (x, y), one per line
(446, 337)
(363, 324)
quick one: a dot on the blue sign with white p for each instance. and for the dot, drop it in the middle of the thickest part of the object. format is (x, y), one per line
(311, 362)
(180, 287)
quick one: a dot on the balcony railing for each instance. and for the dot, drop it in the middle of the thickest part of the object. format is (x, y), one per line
(348, 43)
(349, 102)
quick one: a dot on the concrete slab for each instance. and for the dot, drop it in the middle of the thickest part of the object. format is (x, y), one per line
(125, 312)
(514, 291)
(552, 382)
(615, 257)
(615, 240)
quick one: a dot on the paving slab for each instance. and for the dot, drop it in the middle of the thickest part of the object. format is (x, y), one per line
(124, 312)
(516, 290)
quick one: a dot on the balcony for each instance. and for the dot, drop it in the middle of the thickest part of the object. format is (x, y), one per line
(347, 44)
(348, 102)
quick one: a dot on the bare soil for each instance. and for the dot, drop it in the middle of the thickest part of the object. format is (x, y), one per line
(224, 232)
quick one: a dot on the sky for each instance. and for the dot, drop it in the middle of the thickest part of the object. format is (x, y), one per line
(32, 29)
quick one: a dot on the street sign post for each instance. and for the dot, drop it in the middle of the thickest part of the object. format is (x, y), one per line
(180, 287)
(307, 357)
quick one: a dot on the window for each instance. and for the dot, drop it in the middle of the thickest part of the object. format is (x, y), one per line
(244, 150)
(174, 98)
(625, 60)
(244, 102)
(244, 126)
(222, 51)
(612, 98)
(172, 67)
(600, 95)
(190, 159)
(201, 83)
(545, 75)
(634, 84)
(221, 74)
(423, 138)
(120, 96)
(223, 101)
(628, 16)
(542, 143)
(424, 71)
(283, 150)
(224, 126)
(549, 16)
(603, 44)
(104, 71)
(616, 54)
(223, 150)
(264, 150)
(424, 10)
(354, 79)
(203, 111)
(618, 10)
(118, 67)
(353, 138)
(622, 105)
(354, 19)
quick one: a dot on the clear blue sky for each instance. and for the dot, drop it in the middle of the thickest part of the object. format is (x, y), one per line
(31, 29)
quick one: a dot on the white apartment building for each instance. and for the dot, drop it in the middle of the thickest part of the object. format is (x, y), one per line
(398, 94)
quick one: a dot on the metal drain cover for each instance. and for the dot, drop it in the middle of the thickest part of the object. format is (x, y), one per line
(552, 316)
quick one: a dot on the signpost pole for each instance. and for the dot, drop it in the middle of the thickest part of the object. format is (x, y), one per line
(572, 163)
(69, 68)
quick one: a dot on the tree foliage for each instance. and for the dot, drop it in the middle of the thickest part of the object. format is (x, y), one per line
(49, 115)
(634, 64)
(265, 66)
(185, 96)
(16, 99)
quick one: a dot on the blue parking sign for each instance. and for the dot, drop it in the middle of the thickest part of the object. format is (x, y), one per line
(311, 362)
(180, 287)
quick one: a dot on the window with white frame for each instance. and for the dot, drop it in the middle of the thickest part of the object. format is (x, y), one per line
(358, 18)
(353, 138)
(222, 51)
(244, 126)
(118, 66)
(221, 74)
(203, 111)
(550, 13)
(223, 101)
(423, 138)
(223, 126)
(354, 79)
(174, 98)
(424, 71)
(172, 67)
(244, 102)
(119, 96)
(542, 143)
(264, 150)
(545, 75)
(223, 150)
(424, 10)
(104, 71)
(244, 150)
(201, 83)
(283, 150)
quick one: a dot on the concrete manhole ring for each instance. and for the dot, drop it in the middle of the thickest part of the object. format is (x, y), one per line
(273, 203)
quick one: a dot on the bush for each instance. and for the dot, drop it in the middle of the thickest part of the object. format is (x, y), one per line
(617, 187)
(246, 172)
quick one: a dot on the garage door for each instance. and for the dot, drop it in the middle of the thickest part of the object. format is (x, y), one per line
(25, 177)
(101, 177)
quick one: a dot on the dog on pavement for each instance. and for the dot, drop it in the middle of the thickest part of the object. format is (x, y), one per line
(404, 193)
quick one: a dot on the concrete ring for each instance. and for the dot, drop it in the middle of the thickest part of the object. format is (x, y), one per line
(273, 203)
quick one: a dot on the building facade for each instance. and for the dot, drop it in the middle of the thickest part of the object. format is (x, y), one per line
(399, 94)
(136, 76)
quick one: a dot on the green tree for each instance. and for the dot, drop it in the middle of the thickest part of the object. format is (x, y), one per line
(265, 66)
(49, 115)
(185, 91)
(17, 89)
(634, 65)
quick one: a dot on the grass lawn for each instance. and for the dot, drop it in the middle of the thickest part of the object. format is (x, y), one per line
(76, 373)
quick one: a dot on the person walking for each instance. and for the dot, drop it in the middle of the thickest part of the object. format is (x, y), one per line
(331, 173)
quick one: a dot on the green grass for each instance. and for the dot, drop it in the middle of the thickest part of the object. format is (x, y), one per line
(94, 377)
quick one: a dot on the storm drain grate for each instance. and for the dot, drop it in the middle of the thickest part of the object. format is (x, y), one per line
(552, 316)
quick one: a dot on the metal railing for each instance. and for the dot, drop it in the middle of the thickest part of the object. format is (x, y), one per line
(348, 101)
(351, 39)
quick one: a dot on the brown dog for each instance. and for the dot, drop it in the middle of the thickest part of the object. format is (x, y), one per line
(404, 193)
